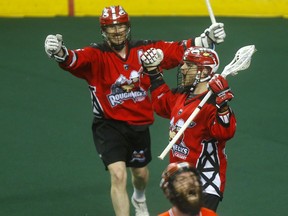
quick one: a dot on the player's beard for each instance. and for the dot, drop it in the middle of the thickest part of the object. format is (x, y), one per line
(187, 206)
(187, 196)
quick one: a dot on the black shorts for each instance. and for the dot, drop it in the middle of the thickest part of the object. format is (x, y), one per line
(211, 201)
(118, 141)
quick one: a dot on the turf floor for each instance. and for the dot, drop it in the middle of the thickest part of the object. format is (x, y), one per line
(49, 165)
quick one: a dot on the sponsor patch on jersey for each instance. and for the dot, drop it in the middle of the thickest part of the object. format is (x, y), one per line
(180, 151)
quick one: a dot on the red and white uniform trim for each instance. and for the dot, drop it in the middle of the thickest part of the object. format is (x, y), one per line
(203, 142)
(114, 95)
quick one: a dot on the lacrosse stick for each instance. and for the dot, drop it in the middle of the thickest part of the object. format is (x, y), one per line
(210, 11)
(240, 62)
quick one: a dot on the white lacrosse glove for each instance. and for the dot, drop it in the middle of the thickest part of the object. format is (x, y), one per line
(214, 34)
(53, 46)
(152, 58)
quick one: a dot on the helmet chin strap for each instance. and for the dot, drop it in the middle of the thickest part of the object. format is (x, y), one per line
(198, 80)
(198, 76)
(205, 79)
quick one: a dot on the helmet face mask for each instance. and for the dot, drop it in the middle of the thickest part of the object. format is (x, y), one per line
(187, 193)
(116, 35)
(199, 65)
(187, 74)
(182, 186)
(115, 26)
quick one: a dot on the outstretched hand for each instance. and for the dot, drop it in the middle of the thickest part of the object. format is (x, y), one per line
(152, 58)
(216, 33)
(55, 48)
(53, 44)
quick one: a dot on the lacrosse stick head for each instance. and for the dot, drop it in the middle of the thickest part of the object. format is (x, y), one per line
(240, 62)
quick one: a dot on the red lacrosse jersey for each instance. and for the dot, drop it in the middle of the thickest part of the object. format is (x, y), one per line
(118, 88)
(204, 212)
(203, 142)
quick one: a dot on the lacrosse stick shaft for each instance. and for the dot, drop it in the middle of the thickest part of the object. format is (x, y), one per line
(186, 124)
(210, 11)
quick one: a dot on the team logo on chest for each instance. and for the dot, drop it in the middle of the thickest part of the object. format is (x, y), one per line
(126, 89)
(179, 149)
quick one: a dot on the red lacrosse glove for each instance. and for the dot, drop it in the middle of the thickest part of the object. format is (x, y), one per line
(219, 86)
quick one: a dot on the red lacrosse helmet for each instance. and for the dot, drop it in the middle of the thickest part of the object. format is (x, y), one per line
(173, 169)
(114, 15)
(203, 57)
(111, 17)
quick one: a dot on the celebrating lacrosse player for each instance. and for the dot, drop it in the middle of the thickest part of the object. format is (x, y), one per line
(182, 186)
(203, 142)
(120, 102)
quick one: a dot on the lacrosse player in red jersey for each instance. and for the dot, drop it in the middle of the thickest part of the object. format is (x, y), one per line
(119, 91)
(182, 186)
(203, 142)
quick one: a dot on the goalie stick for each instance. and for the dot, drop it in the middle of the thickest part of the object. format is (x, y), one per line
(240, 62)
